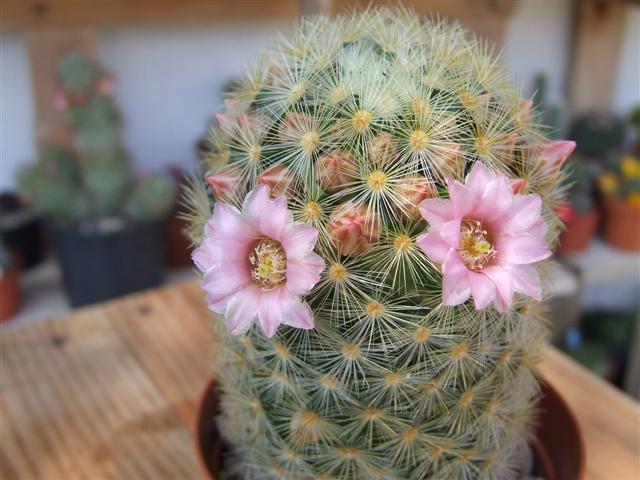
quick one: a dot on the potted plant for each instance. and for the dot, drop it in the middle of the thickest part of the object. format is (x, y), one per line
(384, 206)
(582, 219)
(9, 285)
(620, 190)
(106, 224)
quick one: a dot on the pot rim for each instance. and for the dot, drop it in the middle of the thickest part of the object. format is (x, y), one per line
(546, 388)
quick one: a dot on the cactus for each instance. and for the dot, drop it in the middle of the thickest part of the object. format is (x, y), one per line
(357, 122)
(552, 114)
(98, 180)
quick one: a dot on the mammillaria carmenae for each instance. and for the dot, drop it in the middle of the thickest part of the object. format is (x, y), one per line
(399, 151)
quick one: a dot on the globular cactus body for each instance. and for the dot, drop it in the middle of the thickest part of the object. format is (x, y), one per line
(362, 119)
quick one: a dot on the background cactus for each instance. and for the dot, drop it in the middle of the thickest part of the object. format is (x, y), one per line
(98, 180)
(356, 120)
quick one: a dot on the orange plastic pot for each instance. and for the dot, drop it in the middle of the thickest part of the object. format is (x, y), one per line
(579, 233)
(621, 223)
(558, 449)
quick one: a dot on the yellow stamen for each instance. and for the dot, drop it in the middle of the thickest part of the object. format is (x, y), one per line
(402, 243)
(475, 251)
(268, 263)
(337, 272)
(312, 211)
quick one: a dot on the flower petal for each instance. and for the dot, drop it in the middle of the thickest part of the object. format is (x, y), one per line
(479, 177)
(483, 290)
(304, 274)
(526, 280)
(223, 280)
(436, 210)
(462, 198)
(270, 216)
(495, 200)
(242, 310)
(271, 311)
(455, 284)
(299, 239)
(521, 249)
(503, 281)
(524, 213)
(433, 245)
(449, 232)
(299, 315)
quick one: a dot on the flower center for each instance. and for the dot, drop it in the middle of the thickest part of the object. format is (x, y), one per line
(418, 140)
(268, 264)
(309, 141)
(475, 250)
(377, 181)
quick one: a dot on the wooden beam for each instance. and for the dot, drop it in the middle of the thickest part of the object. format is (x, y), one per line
(597, 41)
(48, 13)
(483, 17)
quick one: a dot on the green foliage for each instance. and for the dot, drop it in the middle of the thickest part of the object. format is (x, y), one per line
(598, 135)
(77, 73)
(151, 198)
(98, 181)
(552, 115)
(582, 175)
(390, 384)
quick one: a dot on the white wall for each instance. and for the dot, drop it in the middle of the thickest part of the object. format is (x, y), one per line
(168, 82)
(627, 92)
(16, 108)
(538, 41)
(169, 77)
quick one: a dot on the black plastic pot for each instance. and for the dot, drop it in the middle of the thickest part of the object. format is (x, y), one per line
(109, 259)
(21, 230)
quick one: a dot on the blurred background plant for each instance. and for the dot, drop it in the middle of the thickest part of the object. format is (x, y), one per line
(96, 180)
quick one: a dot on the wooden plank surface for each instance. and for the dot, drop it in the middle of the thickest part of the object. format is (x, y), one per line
(110, 392)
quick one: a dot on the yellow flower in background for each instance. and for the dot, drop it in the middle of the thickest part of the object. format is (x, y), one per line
(630, 167)
(633, 199)
(608, 183)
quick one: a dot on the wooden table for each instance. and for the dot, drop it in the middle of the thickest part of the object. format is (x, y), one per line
(110, 392)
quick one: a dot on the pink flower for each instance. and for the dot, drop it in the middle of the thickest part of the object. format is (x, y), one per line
(486, 239)
(414, 189)
(258, 264)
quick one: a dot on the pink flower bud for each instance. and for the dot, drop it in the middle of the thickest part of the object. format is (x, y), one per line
(524, 111)
(225, 183)
(277, 178)
(565, 212)
(555, 153)
(413, 190)
(336, 169)
(382, 148)
(353, 229)
(517, 184)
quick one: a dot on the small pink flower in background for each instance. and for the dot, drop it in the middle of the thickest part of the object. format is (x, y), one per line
(224, 183)
(234, 115)
(59, 101)
(258, 264)
(335, 170)
(414, 189)
(277, 178)
(107, 85)
(566, 212)
(486, 239)
(554, 154)
(353, 229)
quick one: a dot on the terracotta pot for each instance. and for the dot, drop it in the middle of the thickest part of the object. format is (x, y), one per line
(579, 233)
(9, 293)
(621, 223)
(558, 450)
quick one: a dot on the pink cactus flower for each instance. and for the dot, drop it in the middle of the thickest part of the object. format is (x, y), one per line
(225, 183)
(353, 229)
(234, 115)
(517, 184)
(554, 154)
(486, 239)
(258, 264)
(277, 178)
